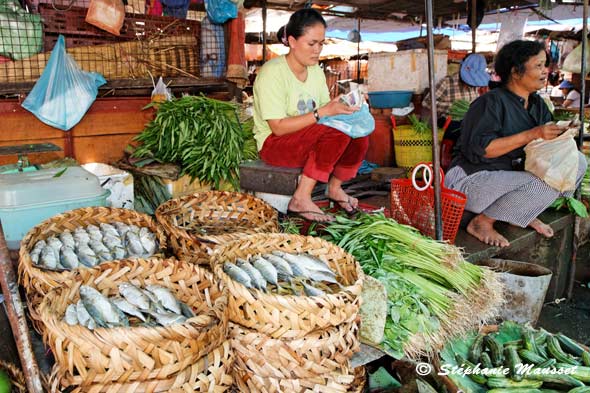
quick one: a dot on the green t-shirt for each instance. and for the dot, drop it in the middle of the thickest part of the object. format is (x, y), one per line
(279, 94)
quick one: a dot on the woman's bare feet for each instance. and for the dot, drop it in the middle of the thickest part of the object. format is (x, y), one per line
(337, 194)
(541, 228)
(482, 227)
(308, 210)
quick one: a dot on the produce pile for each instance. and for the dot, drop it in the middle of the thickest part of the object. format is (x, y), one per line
(517, 357)
(284, 273)
(202, 135)
(433, 293)
(152, 306)
(92, 245)
(458, 109)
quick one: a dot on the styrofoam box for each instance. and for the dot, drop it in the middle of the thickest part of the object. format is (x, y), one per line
(117, 181)
(28, 198)
(404, 70)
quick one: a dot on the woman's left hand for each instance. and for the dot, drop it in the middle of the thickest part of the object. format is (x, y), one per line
(337, 107)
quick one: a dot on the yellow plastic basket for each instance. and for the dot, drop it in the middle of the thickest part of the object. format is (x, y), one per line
(411, 147)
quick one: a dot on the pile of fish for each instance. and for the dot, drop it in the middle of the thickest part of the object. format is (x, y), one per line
(155, 305)
(92, 245)
(285, 272)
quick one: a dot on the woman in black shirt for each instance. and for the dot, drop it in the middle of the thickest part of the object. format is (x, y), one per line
(489, 165)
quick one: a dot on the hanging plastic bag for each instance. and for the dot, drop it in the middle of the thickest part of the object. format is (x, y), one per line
(573, 61)
(64, 92)
(21, 34)
(107, 15)
(219, 11)
(175, 8)
(161, 93)
(355, 125)
(554, 161)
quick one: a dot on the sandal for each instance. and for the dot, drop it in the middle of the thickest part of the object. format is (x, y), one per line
(301, 213)
(352, 212)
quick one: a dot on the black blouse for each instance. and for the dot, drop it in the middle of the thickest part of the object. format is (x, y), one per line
(497, 114)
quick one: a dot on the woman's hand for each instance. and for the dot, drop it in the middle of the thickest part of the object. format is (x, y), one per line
(548, 131)
(337, 107)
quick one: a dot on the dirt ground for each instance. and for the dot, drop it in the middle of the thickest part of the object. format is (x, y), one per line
(572, 318)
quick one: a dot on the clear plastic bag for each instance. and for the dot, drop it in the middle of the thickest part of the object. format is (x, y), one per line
(107, 15)
(355, 125)
(161, 93)
(573, 61)
(554, 161)
(64, 92)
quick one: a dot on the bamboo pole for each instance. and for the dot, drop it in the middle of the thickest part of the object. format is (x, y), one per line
(18, 321)
(473, 28)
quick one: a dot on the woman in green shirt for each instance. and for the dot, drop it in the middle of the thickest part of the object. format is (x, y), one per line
(290, 97)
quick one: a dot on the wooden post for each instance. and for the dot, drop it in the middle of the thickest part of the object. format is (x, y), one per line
(473, 28)
(264, 31)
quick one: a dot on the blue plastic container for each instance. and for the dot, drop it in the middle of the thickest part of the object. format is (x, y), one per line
(390, 99)
(28, 198)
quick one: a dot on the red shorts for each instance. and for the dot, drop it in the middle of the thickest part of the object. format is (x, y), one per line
(319, 149)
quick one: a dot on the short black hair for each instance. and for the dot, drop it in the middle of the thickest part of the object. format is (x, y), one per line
(514, 55)
(298, 23)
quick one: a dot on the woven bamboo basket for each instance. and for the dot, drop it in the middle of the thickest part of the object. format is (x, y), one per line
(344, 381)
(38, 282)
(315, 354)
(290, 317)
(197, 223)
(17, 378)
(134, 354)
(211, 373)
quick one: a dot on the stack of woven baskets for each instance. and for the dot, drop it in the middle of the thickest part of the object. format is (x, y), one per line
(292, 343)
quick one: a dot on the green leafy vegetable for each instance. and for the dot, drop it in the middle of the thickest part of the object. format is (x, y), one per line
(458, 109)
(420, 127)
(58, 174)
(574, 206)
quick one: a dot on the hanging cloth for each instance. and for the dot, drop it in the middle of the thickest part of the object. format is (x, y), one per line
(236, 58)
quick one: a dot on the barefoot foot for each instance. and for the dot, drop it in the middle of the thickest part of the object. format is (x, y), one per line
(482, 227)
(541, 228)
(308, 210)
(345, 201)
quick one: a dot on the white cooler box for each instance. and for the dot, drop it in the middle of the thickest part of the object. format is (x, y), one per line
(117, 181)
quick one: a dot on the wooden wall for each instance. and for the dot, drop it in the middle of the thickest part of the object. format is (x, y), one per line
(101, 136)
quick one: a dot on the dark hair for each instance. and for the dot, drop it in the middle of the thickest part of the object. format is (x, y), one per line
(514, 55)
(553, 78)
(298, 23)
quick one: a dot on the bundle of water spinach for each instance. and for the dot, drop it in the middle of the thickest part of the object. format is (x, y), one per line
(517, 358)
(150, 306)
(284, 273)
(91, 245)
(202, 135)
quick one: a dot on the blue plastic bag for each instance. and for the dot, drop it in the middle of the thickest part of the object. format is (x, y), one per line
(64, 92)
(355, 125)
(219, 11)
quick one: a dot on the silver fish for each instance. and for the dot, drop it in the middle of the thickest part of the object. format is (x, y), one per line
(268, 271)
(92, 228)
(281, 264)
(108, 229)
(321, 276)
(310, 290)
(105, 313)
(48, 258)
(318, 264)
(86, 256)
(55, 244)
(101, 251)
(67, 239)
(154, 302)
(115, 246)
(70, 317)
(68, 257)
(95, 235)
(255, 276)
(84, 318)
(134, 228)
(168, 318)
(36, 251)
(81, 236)
(148, 241)
(187, 311)
(237, 274)
(165, 297)
(134, 295)
(308, 263)
(127, 307)
(133, 244)
(122, 228)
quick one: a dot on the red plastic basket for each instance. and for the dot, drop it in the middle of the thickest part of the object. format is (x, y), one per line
(413, 207)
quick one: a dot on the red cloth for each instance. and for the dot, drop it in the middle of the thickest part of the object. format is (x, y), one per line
(319, 149)
(153, 7)
(236, 55)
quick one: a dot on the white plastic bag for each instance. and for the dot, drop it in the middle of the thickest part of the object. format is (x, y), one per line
(573, 61)
(554, 161)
